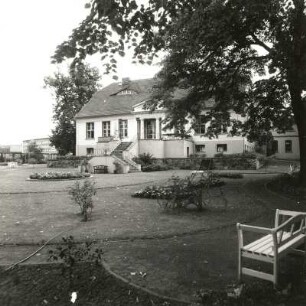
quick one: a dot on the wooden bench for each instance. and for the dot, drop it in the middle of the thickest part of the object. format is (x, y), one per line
(287, 235)
(100, 169)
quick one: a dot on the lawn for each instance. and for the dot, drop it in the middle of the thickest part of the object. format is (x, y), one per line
(38, 215)
(173, 253)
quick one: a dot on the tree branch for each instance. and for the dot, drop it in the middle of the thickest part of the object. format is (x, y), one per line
(260, 43)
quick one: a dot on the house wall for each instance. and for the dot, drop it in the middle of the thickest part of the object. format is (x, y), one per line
(176, 148)
(152, 146)
(82, 143)
(282, 154)
(171, 148)
(281, 139)
(235, 145)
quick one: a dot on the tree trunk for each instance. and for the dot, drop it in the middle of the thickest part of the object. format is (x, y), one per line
(295, 80)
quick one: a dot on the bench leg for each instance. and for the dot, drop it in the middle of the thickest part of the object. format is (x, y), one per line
(239, 266)
(275, 273)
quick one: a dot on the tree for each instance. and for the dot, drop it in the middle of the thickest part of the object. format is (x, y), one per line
(35, 152)
(250, 56)
(71, 92)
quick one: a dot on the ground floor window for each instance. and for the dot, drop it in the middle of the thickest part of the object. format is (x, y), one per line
(221, 148)
(200, 148)
(275, 146)
(123, 128)
(150, 128)
(89, 151)
(288, 146)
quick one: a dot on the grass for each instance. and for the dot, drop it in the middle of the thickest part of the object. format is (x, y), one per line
(179, 265)
(288, 185)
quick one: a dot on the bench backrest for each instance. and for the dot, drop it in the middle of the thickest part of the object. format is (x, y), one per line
(288, 224)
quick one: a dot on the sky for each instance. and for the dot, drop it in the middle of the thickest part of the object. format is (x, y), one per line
(30, 31)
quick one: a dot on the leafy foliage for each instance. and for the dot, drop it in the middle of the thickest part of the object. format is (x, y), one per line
(82, 195)
(144, 159)
(72, 253)
(249, 56)
(71, 93)
(179, 193)
(35, 154)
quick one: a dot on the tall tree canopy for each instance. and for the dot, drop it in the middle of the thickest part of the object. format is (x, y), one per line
(71, 93)
(249, 56)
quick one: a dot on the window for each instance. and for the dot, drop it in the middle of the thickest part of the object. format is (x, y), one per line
(274, 146)
(150, 128)
(90, 130)
(89, 151)
(200, 126)
(105, 128)
(200, 148)
(288, 146)
(123, 128)
(221, 148)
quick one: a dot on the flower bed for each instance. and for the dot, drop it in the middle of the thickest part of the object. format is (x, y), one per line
(179, 187)
(58, 176)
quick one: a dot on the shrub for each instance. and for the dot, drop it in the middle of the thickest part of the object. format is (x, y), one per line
(72, 253)
(242, 161)
(82, 195)
(32, 161)
(144, 159)
(179, 193)
(155, 167)
(67, 162)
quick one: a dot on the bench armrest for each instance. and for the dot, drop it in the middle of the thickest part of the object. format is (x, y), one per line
(255, 229)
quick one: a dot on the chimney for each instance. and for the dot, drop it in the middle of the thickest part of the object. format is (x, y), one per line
(125, 81)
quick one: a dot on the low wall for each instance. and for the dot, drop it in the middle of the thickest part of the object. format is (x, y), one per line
(218, 163)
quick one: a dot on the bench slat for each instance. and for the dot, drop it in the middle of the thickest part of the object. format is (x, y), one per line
(259, 274)
(256, 242)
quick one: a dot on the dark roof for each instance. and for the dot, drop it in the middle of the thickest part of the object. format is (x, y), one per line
(106, 102)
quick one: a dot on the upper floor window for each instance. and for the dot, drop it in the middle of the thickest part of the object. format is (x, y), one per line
(90, 130)
(288, 146)
(200, 126)
(105, 128)
(123, 128)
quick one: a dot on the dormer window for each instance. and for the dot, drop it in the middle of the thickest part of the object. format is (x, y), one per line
(126, 92)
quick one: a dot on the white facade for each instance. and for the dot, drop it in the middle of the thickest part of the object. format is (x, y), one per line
(286, 145)
(145, 130)
(43, 143)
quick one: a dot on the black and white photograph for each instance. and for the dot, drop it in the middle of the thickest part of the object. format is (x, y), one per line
(153, 153)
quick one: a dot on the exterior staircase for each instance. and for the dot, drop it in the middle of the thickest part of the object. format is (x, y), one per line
(118, 153)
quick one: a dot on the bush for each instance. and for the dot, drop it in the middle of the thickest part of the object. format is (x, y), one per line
(180, 193)
(32, 161)
(82, 195)
(72, 253)
(67, 162)
(242, 161)
(155, 167)
(144, 159)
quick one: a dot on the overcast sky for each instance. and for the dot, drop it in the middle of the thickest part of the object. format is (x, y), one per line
(30, 31)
